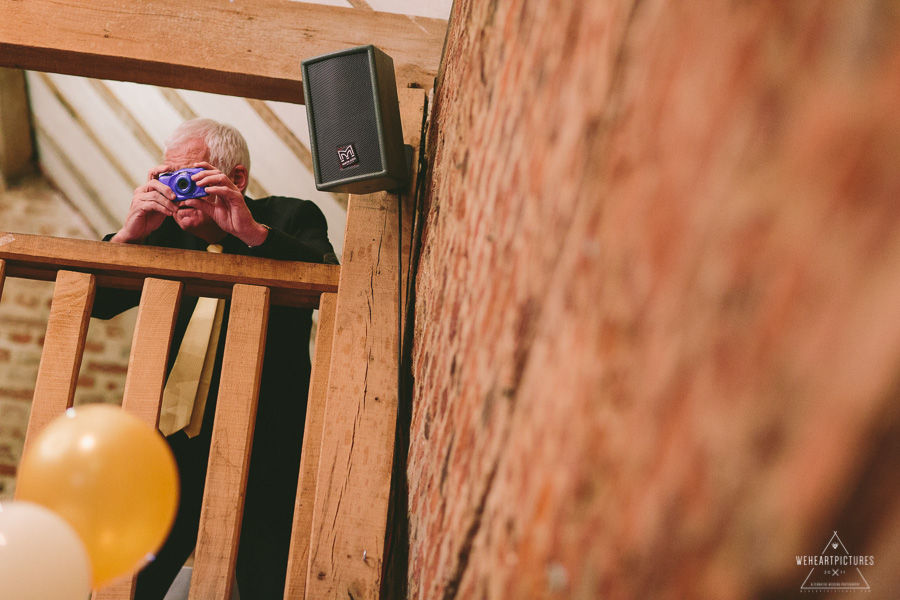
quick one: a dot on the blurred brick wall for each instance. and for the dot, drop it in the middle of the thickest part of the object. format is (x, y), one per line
(35, 208)
(657, 345)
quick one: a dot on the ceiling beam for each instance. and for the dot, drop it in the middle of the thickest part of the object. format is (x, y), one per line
(16, 150)
(248, 49)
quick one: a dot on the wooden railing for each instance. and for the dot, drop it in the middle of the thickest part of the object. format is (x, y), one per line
(78, 267)
(338, 542)
(345, 554)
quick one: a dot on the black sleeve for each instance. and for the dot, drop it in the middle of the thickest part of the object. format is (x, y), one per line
(109, 302)
(302, 235)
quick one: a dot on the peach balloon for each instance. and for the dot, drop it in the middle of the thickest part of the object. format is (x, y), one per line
(111, 477)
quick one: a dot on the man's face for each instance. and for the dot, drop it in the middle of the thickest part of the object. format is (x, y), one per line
(180, 157)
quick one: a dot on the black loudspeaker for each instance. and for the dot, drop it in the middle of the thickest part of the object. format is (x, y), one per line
(355, 133)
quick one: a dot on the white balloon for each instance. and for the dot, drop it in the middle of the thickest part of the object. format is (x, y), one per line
(41, 556)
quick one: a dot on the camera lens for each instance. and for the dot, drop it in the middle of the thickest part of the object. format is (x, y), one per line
(184, 184)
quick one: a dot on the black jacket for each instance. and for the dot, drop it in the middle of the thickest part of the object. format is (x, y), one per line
(298, 232)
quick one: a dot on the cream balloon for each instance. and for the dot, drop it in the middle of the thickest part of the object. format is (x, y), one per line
(112, 477)
(41, 556)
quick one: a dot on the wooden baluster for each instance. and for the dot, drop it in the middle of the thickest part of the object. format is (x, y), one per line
(232, 438)
(150, 349)
(70, 312)
(298, 559)
(146, 377)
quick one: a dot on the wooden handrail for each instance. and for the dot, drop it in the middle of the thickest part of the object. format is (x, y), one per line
(163, 274)
(202, 273)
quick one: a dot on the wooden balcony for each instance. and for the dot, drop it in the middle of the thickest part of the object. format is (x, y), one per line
(79, 267)
(339, 526)
(354, 388)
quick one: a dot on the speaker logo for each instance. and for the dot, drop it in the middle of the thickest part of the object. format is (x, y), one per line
(347, 156)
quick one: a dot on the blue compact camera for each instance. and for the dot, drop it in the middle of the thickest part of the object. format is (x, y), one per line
(181, 183)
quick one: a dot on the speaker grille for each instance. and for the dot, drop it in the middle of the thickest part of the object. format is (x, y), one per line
(341, 91)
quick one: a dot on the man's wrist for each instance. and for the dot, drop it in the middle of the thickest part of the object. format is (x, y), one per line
(122, 238)
(257, 235)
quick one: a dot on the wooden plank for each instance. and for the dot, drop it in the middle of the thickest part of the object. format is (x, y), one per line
(16, 150)
(298, 558)
(150, 349)
(249, 49)
(67, 328)
(146, 378)
(232, 438)
(126, 265)
(2, 276)
(350, 515)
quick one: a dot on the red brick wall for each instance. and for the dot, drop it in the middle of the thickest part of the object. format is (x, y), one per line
(657, 342)
(24, 309)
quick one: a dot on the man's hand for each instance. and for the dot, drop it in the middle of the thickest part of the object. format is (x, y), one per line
(225, 205)
(150, 205)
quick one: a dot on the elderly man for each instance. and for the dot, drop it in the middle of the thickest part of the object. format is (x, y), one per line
(274, 227)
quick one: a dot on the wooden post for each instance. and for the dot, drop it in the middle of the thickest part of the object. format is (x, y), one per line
(70, 312)
(298, 558)
(232, 438)
(15, 126)
(350, 516)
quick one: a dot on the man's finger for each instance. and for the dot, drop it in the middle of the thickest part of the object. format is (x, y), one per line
(155, 185)
(153, 199)
(218, 190)
(156, 171)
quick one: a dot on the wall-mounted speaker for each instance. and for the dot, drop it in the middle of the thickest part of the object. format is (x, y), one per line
(355, 133)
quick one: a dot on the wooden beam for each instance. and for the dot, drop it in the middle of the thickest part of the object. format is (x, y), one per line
(232, 438)
(16, 149)
(122, 112)
(249, 49)
(298, 558)
(126, 265)
(111, 155)
(70, 312)
(350, 516)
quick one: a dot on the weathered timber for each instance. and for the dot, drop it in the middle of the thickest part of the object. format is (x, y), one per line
(252, 50)
(146, 377)
(203, 273)
(298, 558)
(70, 311)
(350, 515)
(150, 349)
(232, 438)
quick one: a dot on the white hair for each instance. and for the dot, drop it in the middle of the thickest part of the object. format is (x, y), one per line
(227, 147)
